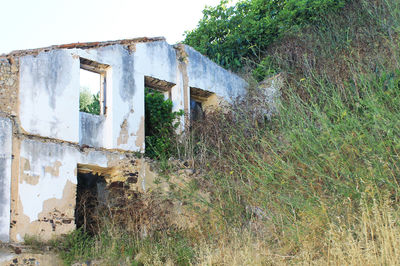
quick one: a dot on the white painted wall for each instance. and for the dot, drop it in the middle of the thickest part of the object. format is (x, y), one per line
(156, 59)
(49, 107)
(49, 90)
(41, 155)
(5, 177)
(49, 87)
(37, 156)
(207, 75)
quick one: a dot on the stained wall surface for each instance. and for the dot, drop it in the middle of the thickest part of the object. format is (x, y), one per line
(51, 137)
(49, 91)
(207, 75)
(49, 95)
(5, 177)
(47, 186)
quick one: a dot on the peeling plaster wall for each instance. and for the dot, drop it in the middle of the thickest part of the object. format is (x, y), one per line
(47, 182)
(91, 128)
(207, 75)
(49, 89)
(46, 154)
(5, 177)
(120, 97)
(47, 186)
(157, 60)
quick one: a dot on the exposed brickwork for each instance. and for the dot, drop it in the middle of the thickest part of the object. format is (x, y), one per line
(9, 72)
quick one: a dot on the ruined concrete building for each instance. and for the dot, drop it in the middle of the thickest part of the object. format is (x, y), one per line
(47, 144)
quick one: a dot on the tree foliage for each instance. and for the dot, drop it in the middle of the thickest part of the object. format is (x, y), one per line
(88, 102)
(228, 34)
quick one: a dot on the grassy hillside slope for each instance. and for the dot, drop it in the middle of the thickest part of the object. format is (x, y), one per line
(316, 184)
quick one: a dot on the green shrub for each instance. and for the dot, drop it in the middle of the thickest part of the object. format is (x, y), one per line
(88, 102)
(264, 69)
(161, 123)
(230, 34)
(114, 245)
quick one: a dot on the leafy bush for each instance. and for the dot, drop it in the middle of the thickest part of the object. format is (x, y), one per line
(161, 123)
(231, 34)
(265, 68)
(88, 102)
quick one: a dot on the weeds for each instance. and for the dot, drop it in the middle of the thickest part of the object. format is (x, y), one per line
(318, 183)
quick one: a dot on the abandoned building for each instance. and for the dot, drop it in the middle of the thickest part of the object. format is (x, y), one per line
(48, 146)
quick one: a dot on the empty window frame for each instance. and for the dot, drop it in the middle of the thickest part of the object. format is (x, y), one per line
(197, 98)
(196, 109)
(93, 84)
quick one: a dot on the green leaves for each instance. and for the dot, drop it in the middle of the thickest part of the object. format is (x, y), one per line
(230, 34)
(89, 103)
(161, 123)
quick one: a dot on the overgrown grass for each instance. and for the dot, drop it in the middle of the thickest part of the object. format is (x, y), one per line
(118, 247)
(316, 184)
(309, 163)
(333, 147)
(369, 238)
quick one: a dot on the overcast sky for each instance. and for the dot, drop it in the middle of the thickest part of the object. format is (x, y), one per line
(26, 24)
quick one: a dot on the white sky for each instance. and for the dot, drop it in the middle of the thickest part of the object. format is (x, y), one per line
(26, 24)
(90, 80)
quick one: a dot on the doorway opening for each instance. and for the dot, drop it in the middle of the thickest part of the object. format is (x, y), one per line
(91, 196)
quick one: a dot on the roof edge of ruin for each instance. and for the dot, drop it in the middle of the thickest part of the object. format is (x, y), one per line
(83, 45)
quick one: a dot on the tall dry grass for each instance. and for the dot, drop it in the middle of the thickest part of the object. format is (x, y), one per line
(369, 238)
(372, 238)
(318, 183)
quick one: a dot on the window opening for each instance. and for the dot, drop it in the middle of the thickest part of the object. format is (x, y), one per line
(92, 94)
(196, 110)
(197, 98)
